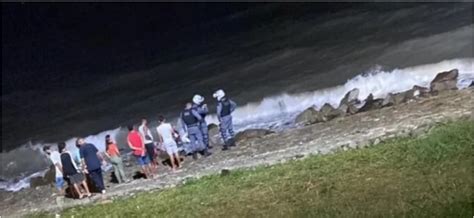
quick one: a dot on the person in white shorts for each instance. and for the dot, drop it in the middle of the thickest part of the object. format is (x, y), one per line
(166, 135)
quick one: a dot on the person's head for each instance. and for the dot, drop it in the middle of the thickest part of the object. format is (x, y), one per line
(47, 149)
(80, 141)
(161, 119)
(61, 147)
(130, 128)
(144, 122)
(189, 105)
(107, 139)
(198, 99)
(219, 94)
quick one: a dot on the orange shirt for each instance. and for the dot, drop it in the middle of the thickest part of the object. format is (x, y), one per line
(113, 150)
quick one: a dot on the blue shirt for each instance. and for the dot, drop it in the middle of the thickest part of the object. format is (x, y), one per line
(89, 154)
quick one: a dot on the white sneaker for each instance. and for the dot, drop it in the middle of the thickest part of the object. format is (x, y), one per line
(103, 191)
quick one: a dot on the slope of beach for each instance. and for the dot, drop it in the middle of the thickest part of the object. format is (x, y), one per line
(412, 118)
(403, 177)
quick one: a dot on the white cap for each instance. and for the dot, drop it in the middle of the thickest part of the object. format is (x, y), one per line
(197, 99)
(219, 94)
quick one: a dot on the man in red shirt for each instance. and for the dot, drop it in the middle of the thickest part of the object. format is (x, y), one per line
(135, 142)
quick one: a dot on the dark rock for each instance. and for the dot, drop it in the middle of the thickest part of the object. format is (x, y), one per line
(225, 172)
(370, 104)
(401, 97)
(167, 161)
(252, 133)
(444, 81)
(48, 178)
(329, 112)
(472, 84)
(214, 136)
(212, 126)
(309, 116)
(348, 103)
(138, 175)
(350, 96)
(420, 91)
(397, 98)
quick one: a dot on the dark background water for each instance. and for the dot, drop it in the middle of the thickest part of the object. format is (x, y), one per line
(78, 69)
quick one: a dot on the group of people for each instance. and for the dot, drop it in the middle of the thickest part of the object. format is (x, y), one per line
(73, 167)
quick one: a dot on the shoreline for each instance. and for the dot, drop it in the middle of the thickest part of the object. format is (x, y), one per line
(343, 133)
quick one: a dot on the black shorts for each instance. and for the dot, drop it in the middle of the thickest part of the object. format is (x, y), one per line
(150, 151)
(76, 178)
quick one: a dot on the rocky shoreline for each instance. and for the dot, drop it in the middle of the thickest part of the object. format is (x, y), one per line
(350, 126)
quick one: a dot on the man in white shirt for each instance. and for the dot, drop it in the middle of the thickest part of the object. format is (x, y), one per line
(55, 158)
(148, 140)
(166, 136)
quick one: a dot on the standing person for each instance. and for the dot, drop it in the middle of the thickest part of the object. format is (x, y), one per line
(71, 171)
(191, 118)
(113, 153)
(225, 107)
(135, 142)
(166, 137)
(91, 163)
(203, 111)
(55, 158)
(148, 140)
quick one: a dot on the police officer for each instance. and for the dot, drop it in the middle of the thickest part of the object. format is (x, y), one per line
(225, 107)
(203, 111)
(191, 119)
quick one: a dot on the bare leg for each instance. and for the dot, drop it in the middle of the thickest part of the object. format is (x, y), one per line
(84, 184)
(76, 187)
(178, 159)
(173, 165)
(150, 171)
(146, 171)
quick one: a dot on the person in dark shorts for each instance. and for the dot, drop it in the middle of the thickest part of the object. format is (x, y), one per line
(148, 140)
(71, 171)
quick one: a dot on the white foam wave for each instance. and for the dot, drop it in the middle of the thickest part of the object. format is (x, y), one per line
(376, 81)
(20, 184)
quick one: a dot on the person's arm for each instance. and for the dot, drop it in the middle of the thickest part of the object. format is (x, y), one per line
(107, 154)
(160, 138)
(99, 155)
(130, 144)
(203, 109)
(196, 114)
(72, 161)
(59, 167)
(149, 134)
(183, 124)
(233, 105)
(83, 161)
(143, 144)
(219, 111)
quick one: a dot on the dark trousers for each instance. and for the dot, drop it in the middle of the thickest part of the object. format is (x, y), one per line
(96, 177)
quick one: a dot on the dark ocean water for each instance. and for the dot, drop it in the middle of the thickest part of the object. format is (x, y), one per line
(272, 62)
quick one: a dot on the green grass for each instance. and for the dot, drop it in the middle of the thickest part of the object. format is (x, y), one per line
(402, 177)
